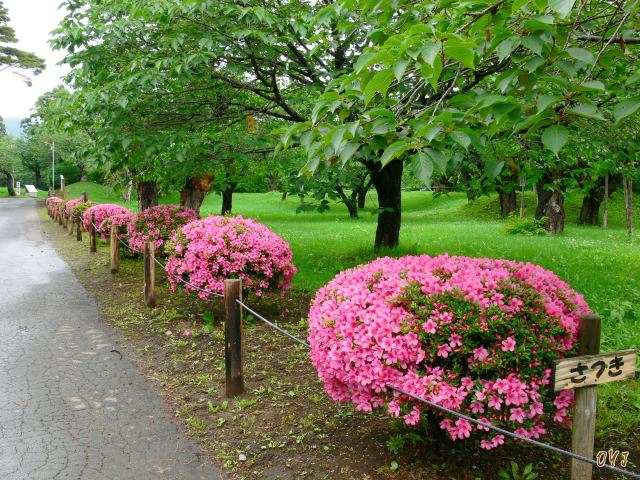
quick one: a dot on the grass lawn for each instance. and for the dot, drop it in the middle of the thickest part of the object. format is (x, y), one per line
(601, 264)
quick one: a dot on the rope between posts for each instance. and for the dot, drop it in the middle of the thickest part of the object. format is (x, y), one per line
(462, 415)
(273, 325)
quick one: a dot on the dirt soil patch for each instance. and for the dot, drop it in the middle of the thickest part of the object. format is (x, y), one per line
(284, 426)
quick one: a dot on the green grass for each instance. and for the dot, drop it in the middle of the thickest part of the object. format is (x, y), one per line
(601, 264)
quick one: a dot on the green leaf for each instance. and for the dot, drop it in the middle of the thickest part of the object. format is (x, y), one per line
(562, 7)
(347, 151)
(544, 101)
(534, 44)
(399, 68)
(504, 48)
(431, 132)
(555, 137)
(587, 110)
(379, 83)
(594, 85)
(423, 167)
(624, 109)
(336, 138)
(438, 158)
(393, 151)
(581, 54)
(461, 138)
(493, 167)
(430, 51)
(457, 50)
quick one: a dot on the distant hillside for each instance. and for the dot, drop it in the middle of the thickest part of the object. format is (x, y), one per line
(13, 126)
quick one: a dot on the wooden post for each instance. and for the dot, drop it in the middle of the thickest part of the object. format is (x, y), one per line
(149, 275)
(523, 184)
(79, 230)
(70, 222)
(114, 250)
(60, 214)
(584, 418)
(93, 247)
(233, 347)
(85, 197)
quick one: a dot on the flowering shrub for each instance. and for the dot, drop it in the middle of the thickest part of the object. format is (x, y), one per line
(68, 206)
(79, 208)
(120, 220)
(474, 335)
(157, 224)
(208, 251)
(52, 204)
(99, 213)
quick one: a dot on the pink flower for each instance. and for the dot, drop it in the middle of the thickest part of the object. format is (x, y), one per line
(508, 345)
(443, 351)
(480, 353)
(186, 333)
(430, 326)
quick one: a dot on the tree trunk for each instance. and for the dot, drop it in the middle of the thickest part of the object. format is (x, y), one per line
(349, 202)
(627, 184)
(193, 193)
(543, 197)
(10, 185)
(38, 175)
(362, 194)
(550, 205)
(554, 211)
(227, 200)
(147, 194)
(590, 211)
(84, 176)
(388, 184)
(605, 214)
(507, 202)
(126, 196)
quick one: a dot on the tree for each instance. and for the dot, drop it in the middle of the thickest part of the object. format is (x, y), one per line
(13, 58)
(9, 161)
(3, 128)
(436, 73)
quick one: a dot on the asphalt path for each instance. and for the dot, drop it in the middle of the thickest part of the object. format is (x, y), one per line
(70, 407)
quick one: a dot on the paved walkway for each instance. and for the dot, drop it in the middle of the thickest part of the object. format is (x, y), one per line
(69, 407)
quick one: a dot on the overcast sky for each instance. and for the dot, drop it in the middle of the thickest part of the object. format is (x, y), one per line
(32, 21)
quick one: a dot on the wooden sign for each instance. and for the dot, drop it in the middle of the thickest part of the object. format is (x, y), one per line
(589, 370)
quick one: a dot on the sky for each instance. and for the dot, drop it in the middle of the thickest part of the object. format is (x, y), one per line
(32, 20)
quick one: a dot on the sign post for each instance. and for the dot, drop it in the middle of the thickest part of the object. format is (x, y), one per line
(584, 374)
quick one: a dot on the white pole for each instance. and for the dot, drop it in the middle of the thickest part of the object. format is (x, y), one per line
(53, 165)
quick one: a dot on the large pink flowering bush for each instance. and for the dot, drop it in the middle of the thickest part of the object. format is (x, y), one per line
(471, 334)
(120, 220)
(157, 225)
(208, 251)
(52, 204)
(68, 206)
(99, 213)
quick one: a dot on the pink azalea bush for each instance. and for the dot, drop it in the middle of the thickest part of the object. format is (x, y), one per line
(68, 206)
(208, 251)
(77, 211)
(475, 335)
(99, 213)
(157, 225)
(52, 204)
(120, 220)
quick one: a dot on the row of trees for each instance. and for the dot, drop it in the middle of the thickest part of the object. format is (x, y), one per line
(479, 95)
